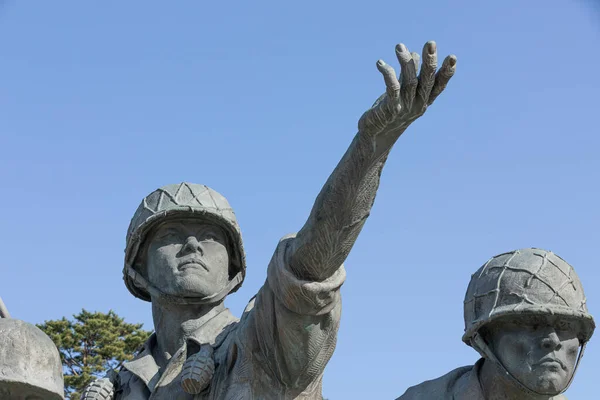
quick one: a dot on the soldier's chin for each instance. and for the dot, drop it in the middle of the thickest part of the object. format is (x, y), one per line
(196, 286)
(550, 383)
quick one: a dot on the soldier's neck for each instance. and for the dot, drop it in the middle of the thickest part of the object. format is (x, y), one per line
(175, 323)
(496, 386)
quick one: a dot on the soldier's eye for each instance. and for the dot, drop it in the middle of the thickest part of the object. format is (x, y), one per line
(210, 237)
(168, 235)
(564, 326)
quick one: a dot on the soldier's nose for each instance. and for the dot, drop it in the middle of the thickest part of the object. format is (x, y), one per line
(551, 341)
(192, 245)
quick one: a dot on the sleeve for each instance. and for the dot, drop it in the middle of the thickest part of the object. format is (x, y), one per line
(292, 328)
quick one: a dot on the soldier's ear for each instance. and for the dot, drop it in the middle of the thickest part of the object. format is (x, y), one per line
(140, 263)
(234, 263)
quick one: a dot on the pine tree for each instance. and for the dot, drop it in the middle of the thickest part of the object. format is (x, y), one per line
(91, 344)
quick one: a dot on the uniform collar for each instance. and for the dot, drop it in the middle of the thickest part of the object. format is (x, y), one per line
(468, 386)
(145, 367)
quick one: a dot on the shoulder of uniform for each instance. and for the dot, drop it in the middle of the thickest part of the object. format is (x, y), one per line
(439, 388)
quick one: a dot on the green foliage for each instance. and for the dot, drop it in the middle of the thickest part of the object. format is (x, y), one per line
(91, 344)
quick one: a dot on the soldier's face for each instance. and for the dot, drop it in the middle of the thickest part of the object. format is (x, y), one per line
(188, 258)
(540, 352)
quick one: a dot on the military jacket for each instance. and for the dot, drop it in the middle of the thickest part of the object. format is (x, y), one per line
(460, 384)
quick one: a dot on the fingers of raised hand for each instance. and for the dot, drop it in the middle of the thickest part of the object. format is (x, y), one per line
(410, 94)
(427, 74)
(442, 77)
(392, 86)
(408, 75)
(417, 59)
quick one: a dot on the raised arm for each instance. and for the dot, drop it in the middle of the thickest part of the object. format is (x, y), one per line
(345, 200)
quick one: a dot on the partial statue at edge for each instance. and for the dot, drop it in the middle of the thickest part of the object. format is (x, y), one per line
(184, 253)
(526, 315)
(30, 365)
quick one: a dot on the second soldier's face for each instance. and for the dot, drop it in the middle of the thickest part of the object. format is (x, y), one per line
(188, 258)
(540, 352)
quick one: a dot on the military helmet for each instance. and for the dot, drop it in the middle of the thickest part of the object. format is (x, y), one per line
(29, 361)
(525, 282)
(187, 200)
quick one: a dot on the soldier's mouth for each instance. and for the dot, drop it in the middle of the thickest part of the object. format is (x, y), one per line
(550, 363)
(193, 263)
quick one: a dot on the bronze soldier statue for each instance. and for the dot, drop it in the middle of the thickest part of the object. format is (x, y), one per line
(184, 254)
(30, 366)
(526, 315)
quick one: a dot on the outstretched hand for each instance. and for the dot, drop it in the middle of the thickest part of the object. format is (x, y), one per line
(407, 97)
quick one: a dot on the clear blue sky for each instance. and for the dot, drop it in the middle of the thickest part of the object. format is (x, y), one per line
(102, 102)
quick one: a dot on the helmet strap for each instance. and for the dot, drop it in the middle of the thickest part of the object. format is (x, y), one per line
(154, 292)
(579, 357)
(484, 349)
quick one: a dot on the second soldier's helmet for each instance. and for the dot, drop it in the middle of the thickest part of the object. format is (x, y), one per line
(525, 282)
(184, 200)
(29, 361)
